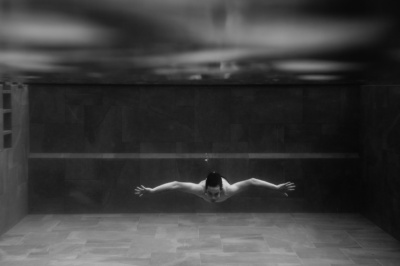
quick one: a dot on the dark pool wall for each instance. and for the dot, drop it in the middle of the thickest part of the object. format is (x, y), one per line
(381, 156)
(13, 155)
(85, 143)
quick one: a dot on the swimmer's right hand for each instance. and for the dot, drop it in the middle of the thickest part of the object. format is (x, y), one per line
(142, 190)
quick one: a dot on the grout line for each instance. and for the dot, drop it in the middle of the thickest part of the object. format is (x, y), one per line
(194, 155)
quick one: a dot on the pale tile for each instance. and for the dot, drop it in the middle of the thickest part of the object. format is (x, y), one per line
(200, 245)
(46, 238)
(159, 219)
(231, 231)
(249, 257)
(378, 254)
(179, 258)
(26, 226)
(151, 244)
(101, 236)
(30, 262)
(7, 240)
(388, 262)
(211, 239)
(321, 253)
(245, 244)
(177, 231)
(379, 243)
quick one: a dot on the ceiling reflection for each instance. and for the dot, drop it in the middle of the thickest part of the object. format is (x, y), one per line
(249, 41)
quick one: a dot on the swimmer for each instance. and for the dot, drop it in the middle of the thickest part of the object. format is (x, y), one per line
(215, 188)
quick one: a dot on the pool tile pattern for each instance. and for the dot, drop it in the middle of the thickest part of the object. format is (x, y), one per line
(235, 239)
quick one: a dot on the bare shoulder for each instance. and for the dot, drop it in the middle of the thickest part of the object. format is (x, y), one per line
(228, 191)
(225, 184)
(202, 184)
(190, 187)
(239, 186)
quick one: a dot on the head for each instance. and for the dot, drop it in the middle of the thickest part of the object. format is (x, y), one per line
(213, 186)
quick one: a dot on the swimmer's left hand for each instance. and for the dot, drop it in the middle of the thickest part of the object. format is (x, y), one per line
(286, 187)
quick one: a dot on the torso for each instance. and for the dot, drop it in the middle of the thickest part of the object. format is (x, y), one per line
(224, 193)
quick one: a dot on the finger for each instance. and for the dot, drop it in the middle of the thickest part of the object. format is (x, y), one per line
(286, 194)
(143, 186)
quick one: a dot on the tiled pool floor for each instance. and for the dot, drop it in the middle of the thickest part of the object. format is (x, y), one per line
(236, 239)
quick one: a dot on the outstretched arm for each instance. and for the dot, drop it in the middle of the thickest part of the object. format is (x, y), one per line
(254, 182)
(171, 186)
